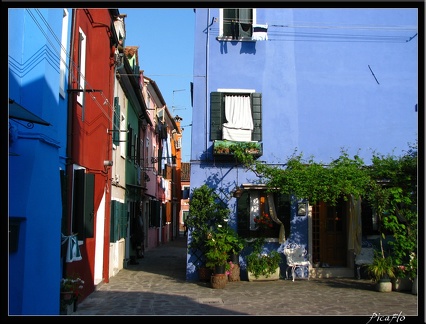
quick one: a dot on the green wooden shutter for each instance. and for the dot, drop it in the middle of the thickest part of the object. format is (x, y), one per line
(256, 106)
(113, 222)
(124, 221)
(129, 141)
(217, 115)
(117, 121)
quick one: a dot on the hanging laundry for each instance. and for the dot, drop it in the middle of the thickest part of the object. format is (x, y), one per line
(73, 250)
(260, 32)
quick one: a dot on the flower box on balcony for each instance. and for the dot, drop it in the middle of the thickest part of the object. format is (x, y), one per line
(225, 148)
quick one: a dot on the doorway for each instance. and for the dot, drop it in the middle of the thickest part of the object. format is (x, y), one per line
(329, 234)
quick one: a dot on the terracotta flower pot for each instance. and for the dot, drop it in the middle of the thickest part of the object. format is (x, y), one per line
(218, 281)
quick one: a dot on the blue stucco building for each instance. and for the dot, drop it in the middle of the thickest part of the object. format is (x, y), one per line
(317, 81)
(38, 76)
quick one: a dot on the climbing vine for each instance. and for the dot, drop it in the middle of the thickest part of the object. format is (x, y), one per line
(389, 184)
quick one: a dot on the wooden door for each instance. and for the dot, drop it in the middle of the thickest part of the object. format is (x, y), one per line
(330, 244)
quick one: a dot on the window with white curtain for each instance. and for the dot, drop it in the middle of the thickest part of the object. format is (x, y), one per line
(236, 115)
(239, 120)
(263, 214)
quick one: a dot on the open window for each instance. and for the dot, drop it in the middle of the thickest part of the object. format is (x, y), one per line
(237, 23)
(263, 214)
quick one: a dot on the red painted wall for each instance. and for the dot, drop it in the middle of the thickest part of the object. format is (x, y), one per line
(91, 144)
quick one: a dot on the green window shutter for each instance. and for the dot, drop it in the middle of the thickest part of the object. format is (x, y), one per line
(113, 222)
(129, 141)
(124, 221)
(117, 120)
(256, 105)
(217, 115)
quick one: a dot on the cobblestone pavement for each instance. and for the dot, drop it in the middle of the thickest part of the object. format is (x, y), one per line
(157, 286)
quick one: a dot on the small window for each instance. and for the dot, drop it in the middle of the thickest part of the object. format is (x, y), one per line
(185, 192)
(262, 214)
(237, 24)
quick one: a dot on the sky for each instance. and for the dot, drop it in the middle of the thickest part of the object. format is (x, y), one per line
(165, 38)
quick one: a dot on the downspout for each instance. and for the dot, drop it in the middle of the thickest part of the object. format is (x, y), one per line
(207, 67)
(69, 159)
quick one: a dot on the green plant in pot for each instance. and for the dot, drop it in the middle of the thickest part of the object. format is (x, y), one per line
(382, 271)
(218, 246)
(381, 268)
(237, 244)
(260, 263)
(205, 212)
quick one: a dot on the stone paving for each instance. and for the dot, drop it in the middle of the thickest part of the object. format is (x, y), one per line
(157, 286)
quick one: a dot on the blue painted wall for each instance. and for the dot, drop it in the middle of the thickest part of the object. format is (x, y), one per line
(319, 94)
(34, 178)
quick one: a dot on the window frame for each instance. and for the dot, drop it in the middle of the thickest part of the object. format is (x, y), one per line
(217, 112)
(222, 32)
(245, 227)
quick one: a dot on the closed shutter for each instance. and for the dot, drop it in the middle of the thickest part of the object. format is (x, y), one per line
(124, 221)
(113, 232)
(256, 106)
(117, 121)
(155, 213)
(129, 141)
(217, 115)
(83, 216)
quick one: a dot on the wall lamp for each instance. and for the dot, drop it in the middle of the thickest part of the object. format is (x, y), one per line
(237, 193)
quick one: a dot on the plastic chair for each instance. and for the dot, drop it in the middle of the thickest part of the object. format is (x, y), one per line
(296, 257)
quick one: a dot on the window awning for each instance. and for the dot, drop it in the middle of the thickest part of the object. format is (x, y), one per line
(16, 111)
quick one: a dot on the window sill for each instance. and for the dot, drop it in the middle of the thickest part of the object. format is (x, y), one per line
(230, 39)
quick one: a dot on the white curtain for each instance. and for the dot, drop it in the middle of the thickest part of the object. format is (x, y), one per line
(273, 213)
(239, 124)
(355, 225)
(169, 150)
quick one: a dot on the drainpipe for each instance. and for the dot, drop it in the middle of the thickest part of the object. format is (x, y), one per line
(69, 159)
(70, 98)
(207, 67)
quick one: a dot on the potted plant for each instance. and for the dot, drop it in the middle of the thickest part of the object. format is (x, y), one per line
(218, 247)
(71, 288)
(382, 271)
(263, 265)
(205, 211)
(237, 244)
